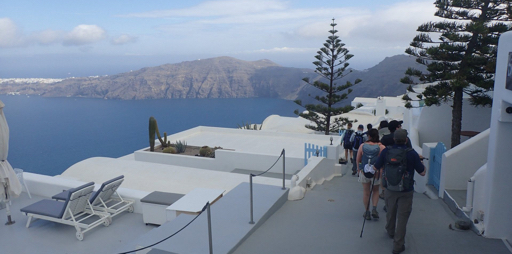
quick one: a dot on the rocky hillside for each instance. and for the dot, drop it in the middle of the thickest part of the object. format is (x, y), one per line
(221, 77)
(381, 80)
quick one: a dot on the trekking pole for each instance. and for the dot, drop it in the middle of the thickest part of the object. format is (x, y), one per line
(368, 206)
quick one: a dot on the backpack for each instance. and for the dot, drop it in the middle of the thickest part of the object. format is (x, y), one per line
(346, 138)
(396, 177)
(370, 155)
(358, 140)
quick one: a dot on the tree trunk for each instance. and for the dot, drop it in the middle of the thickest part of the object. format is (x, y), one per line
(456, 116)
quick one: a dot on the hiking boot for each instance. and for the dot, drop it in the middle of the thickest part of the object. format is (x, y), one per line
(399, 250)
(375, 214)
(367, 215)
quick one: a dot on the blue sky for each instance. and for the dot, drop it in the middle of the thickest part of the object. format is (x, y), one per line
(84, 38)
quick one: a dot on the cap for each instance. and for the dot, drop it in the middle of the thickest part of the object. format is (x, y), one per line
(393, 125)
(360, 126)
(400, 134)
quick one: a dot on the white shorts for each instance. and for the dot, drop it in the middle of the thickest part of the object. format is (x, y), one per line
(364, 179)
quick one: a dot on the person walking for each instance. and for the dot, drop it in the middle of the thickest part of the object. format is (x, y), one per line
(346, 142)
(368, 154)
(356, 139)
(399, 194)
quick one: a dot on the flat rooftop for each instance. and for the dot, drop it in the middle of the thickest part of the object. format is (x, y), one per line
(252, 141)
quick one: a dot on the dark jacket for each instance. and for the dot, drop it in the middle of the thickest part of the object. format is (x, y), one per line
(413, 162)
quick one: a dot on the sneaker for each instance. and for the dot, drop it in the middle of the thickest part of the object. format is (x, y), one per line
(352, 160)
(400, 250)
(354, 173)
(385, 209)
(381, 196)
(375, 214)
(367, 215)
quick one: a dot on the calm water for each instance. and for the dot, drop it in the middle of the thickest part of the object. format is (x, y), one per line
(47, 135)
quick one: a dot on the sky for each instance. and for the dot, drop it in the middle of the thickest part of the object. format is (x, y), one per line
(58, 39)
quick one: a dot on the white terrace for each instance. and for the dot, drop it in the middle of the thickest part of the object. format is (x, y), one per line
(245, 151)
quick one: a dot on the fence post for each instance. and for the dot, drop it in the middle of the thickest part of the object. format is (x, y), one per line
(209, 227)
(283, 168)
(305, 154)
(250, 183)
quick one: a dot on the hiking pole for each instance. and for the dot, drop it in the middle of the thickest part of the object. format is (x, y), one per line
(368, 206)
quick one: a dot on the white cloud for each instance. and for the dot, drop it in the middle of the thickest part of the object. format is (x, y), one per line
(123, 39)
(48, 37)
(84, 34)
(10, 34)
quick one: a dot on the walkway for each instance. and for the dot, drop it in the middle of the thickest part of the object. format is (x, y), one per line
(329, 220)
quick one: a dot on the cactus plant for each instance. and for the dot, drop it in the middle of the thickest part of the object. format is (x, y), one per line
(153, 129)
(205, 151)
(180, 146)
(169, 150)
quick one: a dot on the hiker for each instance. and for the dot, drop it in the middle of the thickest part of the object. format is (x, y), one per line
(367, 155)
(368, 128)
(347, 145)
(383, 129)
(356, 139)
(394, 125)
(398, 163)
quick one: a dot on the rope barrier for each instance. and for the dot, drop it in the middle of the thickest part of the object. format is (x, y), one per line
(270, 166)
(149, 246)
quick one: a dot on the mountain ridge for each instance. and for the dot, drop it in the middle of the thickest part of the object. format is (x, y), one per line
(220, 77)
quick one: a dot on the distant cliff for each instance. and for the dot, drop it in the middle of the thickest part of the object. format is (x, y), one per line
(221, 77)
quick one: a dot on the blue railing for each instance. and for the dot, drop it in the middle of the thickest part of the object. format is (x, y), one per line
(436, 156)
(310, 150)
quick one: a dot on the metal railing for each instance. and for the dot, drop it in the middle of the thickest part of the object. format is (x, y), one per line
(253, 175)
(210, 243)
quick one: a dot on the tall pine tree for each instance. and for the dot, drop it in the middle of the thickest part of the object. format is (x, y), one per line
(460, 55)
(331, 65)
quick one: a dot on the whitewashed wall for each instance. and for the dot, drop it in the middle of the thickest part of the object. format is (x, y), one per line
(460, 163)
(435, 122)
(224, 160)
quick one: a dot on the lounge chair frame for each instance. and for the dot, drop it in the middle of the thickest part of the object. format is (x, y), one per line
(105, 201)
(77, 209)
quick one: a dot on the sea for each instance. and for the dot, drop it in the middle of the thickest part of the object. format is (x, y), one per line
(48, 135)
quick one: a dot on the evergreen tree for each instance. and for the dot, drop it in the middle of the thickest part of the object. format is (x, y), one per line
(463, 58)
(331, 65)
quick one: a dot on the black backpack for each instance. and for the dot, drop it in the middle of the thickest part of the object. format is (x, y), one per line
(396, 177)
(358, 140)
(346, 138)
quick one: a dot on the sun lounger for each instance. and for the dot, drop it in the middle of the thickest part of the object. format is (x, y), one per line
(73, 211)
(104, 199)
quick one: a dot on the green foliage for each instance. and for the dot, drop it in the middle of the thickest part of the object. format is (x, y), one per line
(206, 151)
(169, 149)
(153, 129)
(460, 55)
(180, 146)
(331, 65)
